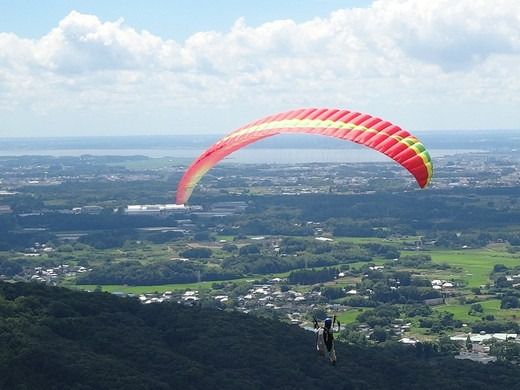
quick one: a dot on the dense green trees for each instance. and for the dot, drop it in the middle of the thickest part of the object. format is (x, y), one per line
(441, 322)
(59, 339)
(448, 213)
(274, 225)
(135, 273)
(312, 276)
(509, 302)
(24, 239)
(162, 272)
(80, 222)
(332, 292)
(251, 249)
(108, 239)
(389, 286)
(10, 267)
(496, 327)
(380, 316)
(197, 253)
(505, 351)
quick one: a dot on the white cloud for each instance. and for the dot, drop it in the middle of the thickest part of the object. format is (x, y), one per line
(412, 61)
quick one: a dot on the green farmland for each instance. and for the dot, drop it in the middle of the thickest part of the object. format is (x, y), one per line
(490, 307)
(477, 264)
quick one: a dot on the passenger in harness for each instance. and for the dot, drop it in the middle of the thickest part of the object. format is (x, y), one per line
(325, 338)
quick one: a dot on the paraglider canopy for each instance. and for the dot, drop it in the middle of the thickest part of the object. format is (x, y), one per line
(364, 129)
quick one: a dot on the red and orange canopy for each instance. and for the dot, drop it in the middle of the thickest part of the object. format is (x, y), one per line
(364, 129)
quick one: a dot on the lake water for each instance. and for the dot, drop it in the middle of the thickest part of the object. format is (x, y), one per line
(246, 156)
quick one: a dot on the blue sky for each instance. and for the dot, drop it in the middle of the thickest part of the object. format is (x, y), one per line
(174, 19)
(191, 67)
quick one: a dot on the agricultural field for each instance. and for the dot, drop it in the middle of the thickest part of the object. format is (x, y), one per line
(490, 307)
(349, 316)
(476, 264)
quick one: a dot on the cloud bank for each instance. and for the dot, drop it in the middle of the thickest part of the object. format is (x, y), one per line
(439, 64)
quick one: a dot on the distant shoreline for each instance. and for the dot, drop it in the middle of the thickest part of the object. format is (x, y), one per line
(355, 154)
(479, 140)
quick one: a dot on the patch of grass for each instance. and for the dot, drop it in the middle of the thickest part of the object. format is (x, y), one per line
(477, 263)
(460, 312)
(349, 316)
(490, 307)
(55, 203)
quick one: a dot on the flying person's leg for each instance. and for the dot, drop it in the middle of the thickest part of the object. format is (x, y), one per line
(332, 356)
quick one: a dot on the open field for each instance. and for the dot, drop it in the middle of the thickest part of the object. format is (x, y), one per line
(349, 316)
(476, 263)
(490, 307)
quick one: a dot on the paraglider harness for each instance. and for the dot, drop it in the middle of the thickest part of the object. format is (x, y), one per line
(325, 337)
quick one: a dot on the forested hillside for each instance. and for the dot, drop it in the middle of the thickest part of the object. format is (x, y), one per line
(54, 338)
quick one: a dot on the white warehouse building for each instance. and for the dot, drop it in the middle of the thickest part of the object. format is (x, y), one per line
(159, 209)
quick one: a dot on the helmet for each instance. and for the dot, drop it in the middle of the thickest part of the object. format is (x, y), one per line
(328, 322)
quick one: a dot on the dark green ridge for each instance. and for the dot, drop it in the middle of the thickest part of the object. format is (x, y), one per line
(54, 338)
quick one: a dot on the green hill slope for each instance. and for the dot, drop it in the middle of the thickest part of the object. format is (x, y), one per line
(53, 338)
